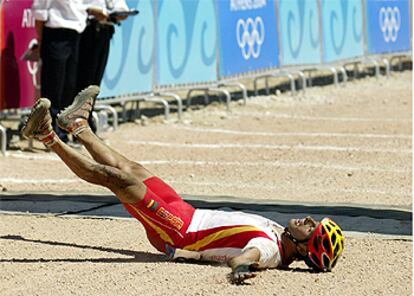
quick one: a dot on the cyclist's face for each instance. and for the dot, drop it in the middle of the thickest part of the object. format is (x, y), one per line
(302, 229)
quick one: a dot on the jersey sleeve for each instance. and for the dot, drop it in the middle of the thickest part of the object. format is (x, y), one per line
(269, 251)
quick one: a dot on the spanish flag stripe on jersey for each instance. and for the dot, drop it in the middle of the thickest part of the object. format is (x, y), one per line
(238, 240)
(164, 236)
(220, 234)
(150, 203)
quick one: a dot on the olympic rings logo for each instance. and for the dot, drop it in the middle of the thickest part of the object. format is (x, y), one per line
(250, 36)
(389, 21)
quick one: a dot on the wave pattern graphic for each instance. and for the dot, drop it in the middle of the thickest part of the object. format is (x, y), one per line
(299, 25)
(291, 22)
(132, 52)
(336, 22)
(187, 40)
(342, 25)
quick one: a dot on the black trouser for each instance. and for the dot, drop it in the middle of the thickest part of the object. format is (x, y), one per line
(93, 56)
(59, 53)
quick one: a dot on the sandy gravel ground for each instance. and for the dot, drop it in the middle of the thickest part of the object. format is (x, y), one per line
(62, 256)
(347, 145)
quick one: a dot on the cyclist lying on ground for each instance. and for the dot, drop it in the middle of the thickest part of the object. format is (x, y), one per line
(246, 242)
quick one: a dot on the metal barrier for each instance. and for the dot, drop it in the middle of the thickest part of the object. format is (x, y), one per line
(334, 72)
(275, 75)
(237, 85)
(111, 110)
(174, 96)
(12, 115)
(400, 58)
(207, 90)
(3, 139)
(208, 46)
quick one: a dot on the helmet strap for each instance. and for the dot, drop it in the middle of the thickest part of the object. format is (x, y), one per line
(293, 239)
(296, 242)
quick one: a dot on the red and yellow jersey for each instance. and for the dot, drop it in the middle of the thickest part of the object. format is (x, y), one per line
(220, 236)
(172, 224)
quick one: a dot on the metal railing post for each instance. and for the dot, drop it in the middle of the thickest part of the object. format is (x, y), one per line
(3, 140)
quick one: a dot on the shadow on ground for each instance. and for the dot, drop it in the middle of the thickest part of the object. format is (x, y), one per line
(356, 218)
(133, 256)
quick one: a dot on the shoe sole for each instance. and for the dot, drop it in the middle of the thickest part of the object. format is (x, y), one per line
(38, 112)
(90, 91)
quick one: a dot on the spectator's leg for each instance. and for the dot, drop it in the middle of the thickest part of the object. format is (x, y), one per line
(87, 66)
(70, 87)
(54, 53)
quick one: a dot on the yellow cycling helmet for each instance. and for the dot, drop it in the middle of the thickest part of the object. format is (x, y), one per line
(325, 246)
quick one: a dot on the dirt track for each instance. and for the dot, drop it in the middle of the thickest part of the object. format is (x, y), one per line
(345, 145)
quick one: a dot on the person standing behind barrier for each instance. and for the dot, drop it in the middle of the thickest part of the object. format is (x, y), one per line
(59, 24)
(95, 42)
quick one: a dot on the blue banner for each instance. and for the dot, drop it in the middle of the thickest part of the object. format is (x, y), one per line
(342, 25)
(388, 25)
(130, 64)
(299, 32)
(187, 34)
(248, 36)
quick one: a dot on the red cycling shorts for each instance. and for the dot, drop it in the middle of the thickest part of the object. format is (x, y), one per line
(163, 213)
